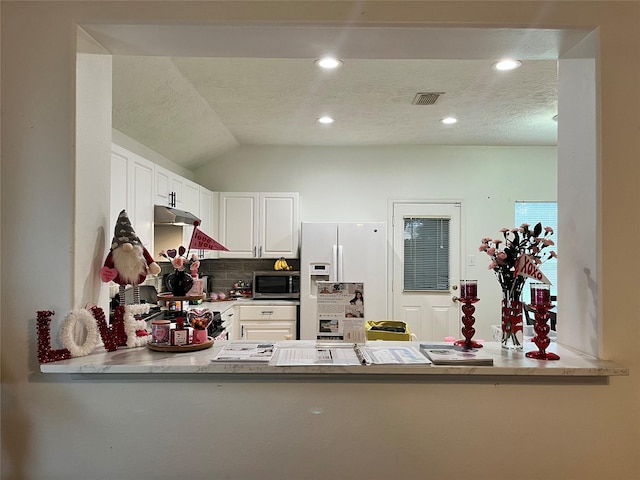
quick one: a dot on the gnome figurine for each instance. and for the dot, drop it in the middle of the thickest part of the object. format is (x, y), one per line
(128, 262)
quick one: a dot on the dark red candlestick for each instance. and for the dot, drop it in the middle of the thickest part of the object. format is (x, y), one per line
(467, 321)
(542, 329)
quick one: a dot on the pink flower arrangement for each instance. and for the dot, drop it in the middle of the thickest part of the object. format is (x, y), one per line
(504, 254)
(180, 262)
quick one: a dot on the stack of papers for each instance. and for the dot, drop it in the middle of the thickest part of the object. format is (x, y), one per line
(329, 354)
(246, 352)
(382, 355)
(452, 355)
(350, 354)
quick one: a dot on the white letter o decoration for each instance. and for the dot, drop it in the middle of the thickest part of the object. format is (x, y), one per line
(67, 334)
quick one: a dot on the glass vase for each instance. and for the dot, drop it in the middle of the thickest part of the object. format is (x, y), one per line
(512, 327)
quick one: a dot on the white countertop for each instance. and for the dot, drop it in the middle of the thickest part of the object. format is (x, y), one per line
(142, 360)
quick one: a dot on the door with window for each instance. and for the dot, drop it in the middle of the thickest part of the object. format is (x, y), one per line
(426, 268)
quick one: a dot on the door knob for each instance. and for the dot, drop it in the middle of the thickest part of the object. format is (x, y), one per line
(455, 299)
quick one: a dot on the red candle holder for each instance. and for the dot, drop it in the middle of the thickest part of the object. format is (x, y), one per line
(541, 305)
(540, 294)
(468, 289)
(468, 292)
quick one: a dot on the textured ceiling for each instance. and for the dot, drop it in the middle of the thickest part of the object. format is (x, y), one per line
(193, 109)
(194, 93)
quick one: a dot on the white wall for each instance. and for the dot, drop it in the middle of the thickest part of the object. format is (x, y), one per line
(63, 427)
(356, 184)
(92, 165)
(136, 147)
(579, 286)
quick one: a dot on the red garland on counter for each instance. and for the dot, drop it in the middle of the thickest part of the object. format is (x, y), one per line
(106, 333)
(45, 353)
(117, 327)
(112, 336)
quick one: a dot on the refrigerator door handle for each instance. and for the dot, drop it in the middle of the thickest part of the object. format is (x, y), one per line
(334, 264)
(340, 265)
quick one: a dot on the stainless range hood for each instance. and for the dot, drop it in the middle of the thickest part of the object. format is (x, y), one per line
(172, 216)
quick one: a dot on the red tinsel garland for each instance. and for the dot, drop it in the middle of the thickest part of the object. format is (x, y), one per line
(45, 353)
(117, 327)
(106, 333)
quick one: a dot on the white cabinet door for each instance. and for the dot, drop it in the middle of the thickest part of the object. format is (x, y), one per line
(119, 185)
(132, 190)
(279, 225)
(190, 203)
(229, 323)
(238, 224)
(207, 219)
(162, 186)
(267, 322)
(259, 225)
(191, 197)
(166, 183)
(141, 210)
(273, 331)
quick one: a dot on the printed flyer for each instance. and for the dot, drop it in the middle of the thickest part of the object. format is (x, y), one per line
(341, 311)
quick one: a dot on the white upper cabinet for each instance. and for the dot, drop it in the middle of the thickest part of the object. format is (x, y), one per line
(259, 225)
(169, 188)
(207, 199)
(141, 214)
(191, 204)
(132, 189)
(238, 222)
(119, 184)
(191, 197)
(279, 232)
(138, 184)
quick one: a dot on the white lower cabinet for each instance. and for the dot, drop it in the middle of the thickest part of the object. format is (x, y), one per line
(228, 318)
(266, 322)
(265, 330)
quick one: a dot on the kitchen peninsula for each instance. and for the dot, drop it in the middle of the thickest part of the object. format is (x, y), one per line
(141, 360)
(278, 327)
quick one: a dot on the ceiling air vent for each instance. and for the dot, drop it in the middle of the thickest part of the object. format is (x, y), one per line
(428, 98)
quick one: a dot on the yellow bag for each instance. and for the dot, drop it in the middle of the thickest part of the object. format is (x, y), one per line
(387, 330)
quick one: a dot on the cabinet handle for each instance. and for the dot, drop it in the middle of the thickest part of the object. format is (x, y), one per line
(266, 312)
(260, 251)
(254, 251)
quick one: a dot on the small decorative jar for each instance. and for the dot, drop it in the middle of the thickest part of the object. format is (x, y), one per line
(199, 319)
(160, 331)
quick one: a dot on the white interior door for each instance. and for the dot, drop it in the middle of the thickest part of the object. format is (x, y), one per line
(426, 268)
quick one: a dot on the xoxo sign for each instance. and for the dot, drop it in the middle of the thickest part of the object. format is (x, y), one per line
(527, 267)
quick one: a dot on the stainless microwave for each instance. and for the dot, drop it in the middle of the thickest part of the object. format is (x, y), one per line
(276, 284)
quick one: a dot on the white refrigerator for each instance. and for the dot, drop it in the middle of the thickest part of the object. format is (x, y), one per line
(342, 252)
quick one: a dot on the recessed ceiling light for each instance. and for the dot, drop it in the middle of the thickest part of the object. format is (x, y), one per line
(326, 120)
(449, 120)
(328, 63)
(506, 64)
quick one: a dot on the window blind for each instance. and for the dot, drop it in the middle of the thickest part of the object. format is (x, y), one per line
(426, 254)
(547, 214)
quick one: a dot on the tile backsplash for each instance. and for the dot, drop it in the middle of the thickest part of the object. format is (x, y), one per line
(223, 273)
